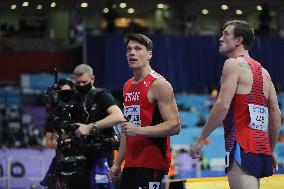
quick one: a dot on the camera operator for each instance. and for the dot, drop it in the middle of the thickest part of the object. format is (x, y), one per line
(51, 137)
(50, 130)
(103, 115)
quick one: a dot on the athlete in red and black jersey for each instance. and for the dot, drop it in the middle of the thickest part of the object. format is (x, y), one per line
(152, 116)
(248, 107)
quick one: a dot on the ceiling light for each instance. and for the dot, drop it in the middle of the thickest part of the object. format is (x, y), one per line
(238, 11)
(224, 7)
(39, 7)
(258, 7)
(25, 4)
(13, 7)
(105, 10)
(53, 4)
(84, 5)
(160, 6)
(131, 10)
(122, 5)
(204, 11)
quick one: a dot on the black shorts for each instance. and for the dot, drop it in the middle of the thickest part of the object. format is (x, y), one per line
(141, 178)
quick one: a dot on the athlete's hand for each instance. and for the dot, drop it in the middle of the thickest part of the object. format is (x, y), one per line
(195, 149)
(274, 162)
(130, 129)
(114, 172)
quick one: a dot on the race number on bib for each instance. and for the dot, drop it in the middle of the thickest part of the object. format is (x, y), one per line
(154, 185)
(132, 114)
(258, 117)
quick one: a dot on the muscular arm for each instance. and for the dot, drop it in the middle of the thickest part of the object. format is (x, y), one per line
(229, 82)
(274, 121)
(162, 92)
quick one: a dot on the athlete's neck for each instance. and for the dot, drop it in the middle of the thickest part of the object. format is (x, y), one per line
(238, 53)
(140, 74)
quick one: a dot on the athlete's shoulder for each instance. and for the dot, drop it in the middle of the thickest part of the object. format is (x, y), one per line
(231, 63)
(161, 84)
(155, 74)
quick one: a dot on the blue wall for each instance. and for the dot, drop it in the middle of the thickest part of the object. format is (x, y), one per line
(188, 63)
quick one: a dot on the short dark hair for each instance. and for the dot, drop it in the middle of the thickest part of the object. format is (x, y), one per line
(243, 29)
(62, 82)
(140, 38)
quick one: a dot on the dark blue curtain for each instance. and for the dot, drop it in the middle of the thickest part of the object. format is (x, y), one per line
(188, 63)
(270, 53)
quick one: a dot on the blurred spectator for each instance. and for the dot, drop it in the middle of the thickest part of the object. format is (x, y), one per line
(185, 165)
(281, 136)
(134, 27)
(35, 138)
(50, 136)
(76, 34)
(20, 138)
(3, 29)
(190, 24)
(204, 162)
(76, 28)
(264, 18)
(201, 122)
(172, 170)
(181, 107)
(110, 17)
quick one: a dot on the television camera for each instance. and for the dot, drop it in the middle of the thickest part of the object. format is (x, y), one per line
(65, 108)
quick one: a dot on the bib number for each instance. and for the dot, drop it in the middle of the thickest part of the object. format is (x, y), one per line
(258, 117)
(154, 185)
(132, 114)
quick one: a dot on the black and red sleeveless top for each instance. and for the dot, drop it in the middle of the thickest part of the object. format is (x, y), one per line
(236, 123)
(144, 152)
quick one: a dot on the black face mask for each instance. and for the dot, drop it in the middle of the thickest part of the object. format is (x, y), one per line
(85, 88)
